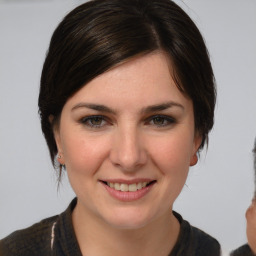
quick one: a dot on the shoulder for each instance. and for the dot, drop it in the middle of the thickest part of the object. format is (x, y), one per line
(195, 242)
(34, 240)
(205, 244)
(242, 251)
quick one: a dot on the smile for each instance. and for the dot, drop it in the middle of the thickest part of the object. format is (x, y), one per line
(128, 190)
(128, 187)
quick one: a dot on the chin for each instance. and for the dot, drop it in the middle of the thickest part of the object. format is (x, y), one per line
(129, 220)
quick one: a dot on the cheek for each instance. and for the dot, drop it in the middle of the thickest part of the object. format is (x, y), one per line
(172, 159)
(84, 155)
(172, 154)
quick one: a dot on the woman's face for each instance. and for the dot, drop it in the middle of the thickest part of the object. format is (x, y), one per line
(127, 139)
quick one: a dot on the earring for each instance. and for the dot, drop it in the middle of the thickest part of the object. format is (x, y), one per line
(60, 159)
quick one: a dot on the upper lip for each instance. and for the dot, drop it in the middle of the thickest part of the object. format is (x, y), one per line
(124, 181)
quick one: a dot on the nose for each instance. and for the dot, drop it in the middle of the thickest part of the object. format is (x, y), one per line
(128, 151)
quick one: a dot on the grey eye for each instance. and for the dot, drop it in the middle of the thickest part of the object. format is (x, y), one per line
(96, 121)
(159, 120)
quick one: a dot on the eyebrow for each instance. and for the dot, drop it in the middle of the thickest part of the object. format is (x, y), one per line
(96, 107)
(161, 107)
(146, 110)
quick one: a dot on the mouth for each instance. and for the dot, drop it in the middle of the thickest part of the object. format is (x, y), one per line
(125, 187)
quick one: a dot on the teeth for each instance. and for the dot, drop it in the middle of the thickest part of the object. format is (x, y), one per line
(125, 187)
(132, 187)
(116, 186)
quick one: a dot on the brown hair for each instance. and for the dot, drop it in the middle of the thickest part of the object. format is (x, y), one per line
(101, 34)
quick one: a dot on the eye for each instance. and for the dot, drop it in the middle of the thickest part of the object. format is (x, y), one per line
(94, 121)
(161, 120)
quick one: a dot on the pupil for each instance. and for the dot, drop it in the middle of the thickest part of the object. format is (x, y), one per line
(96, 120)
(158, 120)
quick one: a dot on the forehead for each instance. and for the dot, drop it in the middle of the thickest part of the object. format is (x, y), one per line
(144, 80)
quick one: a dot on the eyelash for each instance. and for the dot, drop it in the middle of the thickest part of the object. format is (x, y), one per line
(167, 121)
(88, 121)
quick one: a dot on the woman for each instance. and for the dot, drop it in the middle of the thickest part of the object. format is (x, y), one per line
(126, 103)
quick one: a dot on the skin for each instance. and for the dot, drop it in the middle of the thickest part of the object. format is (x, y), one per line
(251, 226)
(133, 140)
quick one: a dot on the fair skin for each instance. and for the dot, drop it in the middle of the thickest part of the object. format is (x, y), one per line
(251, 225)
(130, 129)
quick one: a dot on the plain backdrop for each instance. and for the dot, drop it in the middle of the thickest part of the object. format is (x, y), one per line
(218, 189)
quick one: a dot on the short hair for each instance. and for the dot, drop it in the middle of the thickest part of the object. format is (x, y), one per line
(101, 34)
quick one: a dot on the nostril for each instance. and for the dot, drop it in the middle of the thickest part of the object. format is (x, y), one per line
(127, 151)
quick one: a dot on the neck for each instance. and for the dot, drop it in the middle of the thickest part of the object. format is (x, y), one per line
(98, 238)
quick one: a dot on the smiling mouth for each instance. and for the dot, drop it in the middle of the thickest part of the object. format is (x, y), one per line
(123, 187)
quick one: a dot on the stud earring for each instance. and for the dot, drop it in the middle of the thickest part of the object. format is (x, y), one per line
(59, 156)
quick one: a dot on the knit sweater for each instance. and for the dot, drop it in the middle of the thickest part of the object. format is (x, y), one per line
(56, 236)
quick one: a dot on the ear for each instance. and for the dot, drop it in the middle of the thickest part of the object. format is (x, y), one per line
(194, 156)
(56, 134)
(193, 160)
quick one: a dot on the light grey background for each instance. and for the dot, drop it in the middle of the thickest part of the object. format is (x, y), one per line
(219, 188)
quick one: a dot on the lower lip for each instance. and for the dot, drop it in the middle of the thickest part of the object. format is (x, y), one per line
(128, 196)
